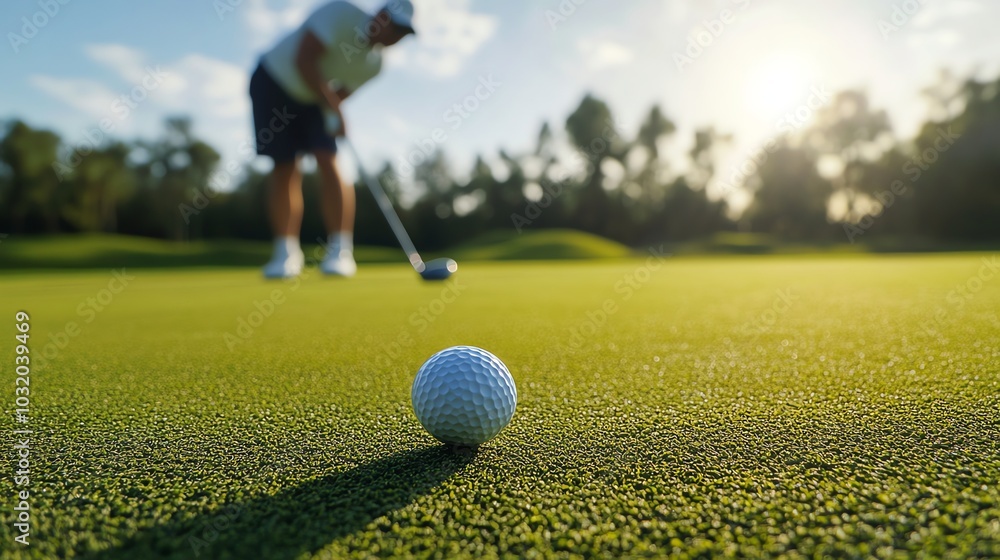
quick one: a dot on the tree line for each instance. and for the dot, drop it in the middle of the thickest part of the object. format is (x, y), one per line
(843, 176)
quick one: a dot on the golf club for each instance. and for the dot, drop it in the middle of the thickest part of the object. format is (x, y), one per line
(437, 269)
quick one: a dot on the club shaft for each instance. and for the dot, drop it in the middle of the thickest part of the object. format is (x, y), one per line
(388, 211)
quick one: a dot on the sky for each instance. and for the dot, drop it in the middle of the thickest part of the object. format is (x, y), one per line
(743, 66)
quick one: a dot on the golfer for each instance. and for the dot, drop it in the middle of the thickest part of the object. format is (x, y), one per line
(297, 93)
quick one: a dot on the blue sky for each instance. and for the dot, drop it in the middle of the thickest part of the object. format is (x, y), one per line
(765, 60)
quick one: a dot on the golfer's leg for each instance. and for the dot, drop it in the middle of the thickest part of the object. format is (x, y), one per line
(337, 195)
(285, 209)
(285, 202)
(337, 200)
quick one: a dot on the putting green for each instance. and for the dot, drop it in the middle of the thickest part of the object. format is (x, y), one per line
(810, 406)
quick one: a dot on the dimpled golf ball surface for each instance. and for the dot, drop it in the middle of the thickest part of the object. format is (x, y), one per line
(464, 395)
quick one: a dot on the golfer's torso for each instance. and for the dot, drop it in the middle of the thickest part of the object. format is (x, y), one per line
(350, 69)
(347, 63)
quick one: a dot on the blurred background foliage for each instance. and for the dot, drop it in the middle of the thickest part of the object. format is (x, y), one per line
(844, 176)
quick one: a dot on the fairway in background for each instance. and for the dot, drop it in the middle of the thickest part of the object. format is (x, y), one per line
(97, 251)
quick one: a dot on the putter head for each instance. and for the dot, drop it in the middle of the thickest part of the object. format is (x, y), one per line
(438, 269)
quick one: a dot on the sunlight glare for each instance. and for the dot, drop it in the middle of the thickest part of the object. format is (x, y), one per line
(779, 84)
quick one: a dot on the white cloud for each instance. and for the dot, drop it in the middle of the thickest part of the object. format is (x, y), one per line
(267, 24)
(939, 39)
(88, 96)
(448, 34)
(397, 124)
(216, 88)
(604, 54)
(677, 12)
(126, 61)
(212, 91)
(192, 83)
(932, 14)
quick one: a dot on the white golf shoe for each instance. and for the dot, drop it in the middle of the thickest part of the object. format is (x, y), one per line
(340, 263)
(288, 265)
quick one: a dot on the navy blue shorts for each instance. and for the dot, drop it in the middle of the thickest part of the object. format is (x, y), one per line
(284, 127)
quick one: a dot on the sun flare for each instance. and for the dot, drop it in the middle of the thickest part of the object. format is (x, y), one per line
(778, 83)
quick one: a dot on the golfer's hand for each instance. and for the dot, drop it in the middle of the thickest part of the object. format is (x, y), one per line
(334, 123)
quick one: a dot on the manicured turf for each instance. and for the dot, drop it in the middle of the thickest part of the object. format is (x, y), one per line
(115, 251)
(745, 406)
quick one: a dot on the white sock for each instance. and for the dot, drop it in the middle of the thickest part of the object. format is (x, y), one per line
(286, 245)
(340, 242)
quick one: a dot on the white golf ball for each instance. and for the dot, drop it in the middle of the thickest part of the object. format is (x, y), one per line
(464, 395)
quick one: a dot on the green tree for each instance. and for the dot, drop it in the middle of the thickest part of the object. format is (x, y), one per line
(592, 132)
(789, 195)
(33, 192)
(849, 134)
(176, 168)
(98, 184)
(956, 168)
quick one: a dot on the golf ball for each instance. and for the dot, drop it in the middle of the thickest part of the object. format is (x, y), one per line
(464, 395)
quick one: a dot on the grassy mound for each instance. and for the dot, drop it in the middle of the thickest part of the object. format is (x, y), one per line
(111, 251)
(552, 244)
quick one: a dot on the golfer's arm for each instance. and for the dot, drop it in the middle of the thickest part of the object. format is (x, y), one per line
(311, 49)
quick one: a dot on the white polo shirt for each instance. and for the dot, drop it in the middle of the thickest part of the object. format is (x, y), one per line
(348, 61)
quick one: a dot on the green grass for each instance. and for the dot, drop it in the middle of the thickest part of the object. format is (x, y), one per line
(703, 417)
(540, 245)
(109, 251)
